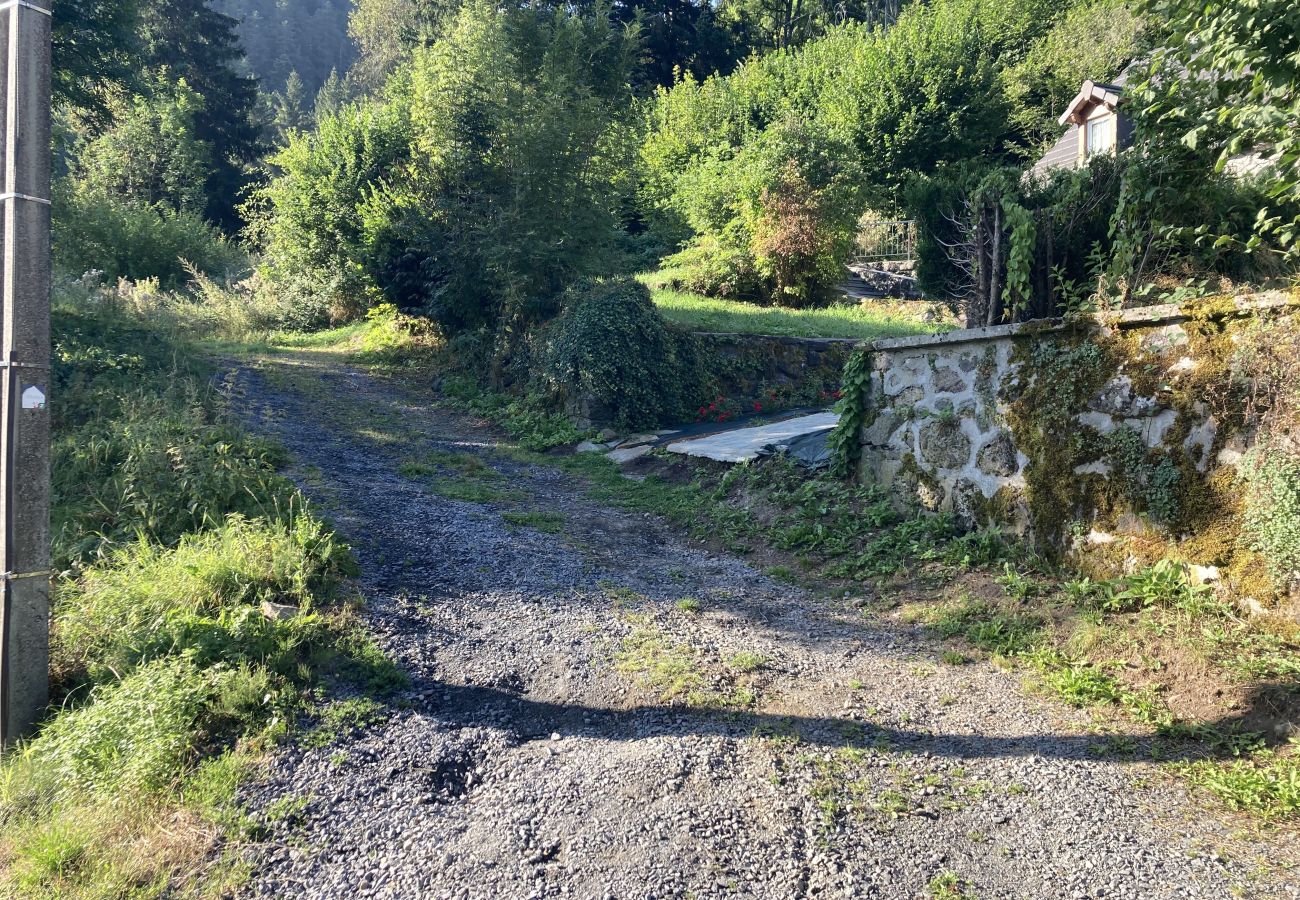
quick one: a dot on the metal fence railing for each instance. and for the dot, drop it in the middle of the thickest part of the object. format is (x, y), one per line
(889, 241)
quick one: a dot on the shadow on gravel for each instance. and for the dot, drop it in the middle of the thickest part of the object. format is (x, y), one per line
(530, 720)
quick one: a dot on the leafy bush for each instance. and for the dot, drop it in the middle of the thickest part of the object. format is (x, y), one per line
(708, 267)
(94, 230)
(1234, 68)
(487, 177)
(309, 218)
(610, 346)
(151, 155)
(873, 107)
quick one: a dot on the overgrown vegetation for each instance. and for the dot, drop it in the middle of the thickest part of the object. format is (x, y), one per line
(200, 598)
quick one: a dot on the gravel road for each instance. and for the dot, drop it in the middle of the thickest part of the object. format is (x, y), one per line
(523, 763)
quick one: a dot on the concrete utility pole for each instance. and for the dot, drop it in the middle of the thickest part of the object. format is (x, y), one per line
(25, 365)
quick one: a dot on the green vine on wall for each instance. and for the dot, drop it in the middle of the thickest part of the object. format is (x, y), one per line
(845, 442)
(1020, 255)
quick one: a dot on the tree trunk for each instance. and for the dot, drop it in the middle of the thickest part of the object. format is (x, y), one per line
(979, 308)
(995, 270)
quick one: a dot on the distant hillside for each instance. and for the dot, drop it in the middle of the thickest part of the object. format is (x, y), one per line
(283, 36)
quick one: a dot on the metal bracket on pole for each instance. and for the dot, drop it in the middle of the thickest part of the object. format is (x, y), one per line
(14, 576)
(14, 195)
(22, 365)
(32, 6)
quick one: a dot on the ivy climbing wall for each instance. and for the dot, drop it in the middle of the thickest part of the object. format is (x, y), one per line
(1072, 431)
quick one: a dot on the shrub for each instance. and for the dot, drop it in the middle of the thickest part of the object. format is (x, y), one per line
(488, 176)
(858, 112)
(122, 239)
(152, 153)
(1272, 513)
(610, 346)
(309, 219)
(706, 266)
(794, 248)
(141, 446)
(777, 218)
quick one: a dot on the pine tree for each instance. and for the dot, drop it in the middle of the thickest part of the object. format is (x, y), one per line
(331, 96)
(95, 53)
(290, 107)
(188, 39)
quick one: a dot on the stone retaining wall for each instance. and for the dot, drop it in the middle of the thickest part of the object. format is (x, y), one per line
(1042, 425)
(749, 367)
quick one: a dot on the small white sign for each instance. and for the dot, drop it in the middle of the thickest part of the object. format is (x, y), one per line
(33, 398)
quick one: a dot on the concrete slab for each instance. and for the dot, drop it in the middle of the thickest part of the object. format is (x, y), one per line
(744, 444)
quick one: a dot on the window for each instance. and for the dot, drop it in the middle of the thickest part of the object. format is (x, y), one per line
(1101, 135)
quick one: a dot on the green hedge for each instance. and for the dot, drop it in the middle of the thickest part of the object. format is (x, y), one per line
(610, 347)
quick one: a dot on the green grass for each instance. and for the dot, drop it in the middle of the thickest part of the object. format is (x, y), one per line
(948, 885)
(689, 605)
(548, 522)
(474, 491)
(662, 667)
(747, 661)
(1267, 784)
(700, 313)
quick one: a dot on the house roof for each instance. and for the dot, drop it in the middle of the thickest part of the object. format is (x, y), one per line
(1092, 94)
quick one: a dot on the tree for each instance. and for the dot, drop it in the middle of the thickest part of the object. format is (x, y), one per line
(309, 37)
(331, 96)
(95, 53)
(151, 156)
(312, 232)
(781, 24)
(486, 177)
(885, 103)
(1228, 76)
(386, 31)
(187, 39)
(289, 108)
(678, 36)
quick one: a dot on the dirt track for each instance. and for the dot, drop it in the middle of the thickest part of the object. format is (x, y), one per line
(523, 763)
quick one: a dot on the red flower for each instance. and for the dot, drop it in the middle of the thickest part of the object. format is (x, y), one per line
(758, 407)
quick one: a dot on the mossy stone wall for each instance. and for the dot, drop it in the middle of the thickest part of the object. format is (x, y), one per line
(774, 371)
(1072, 432)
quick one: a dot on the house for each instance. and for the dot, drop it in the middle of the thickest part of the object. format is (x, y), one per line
(1097, 124)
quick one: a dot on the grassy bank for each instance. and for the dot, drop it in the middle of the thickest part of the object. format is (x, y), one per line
(868, 321)
(199, 600)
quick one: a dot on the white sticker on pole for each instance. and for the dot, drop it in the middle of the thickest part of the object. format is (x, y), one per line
(33, 398)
